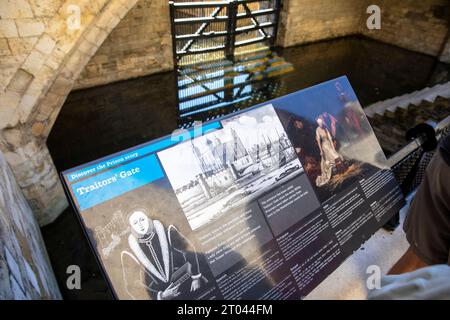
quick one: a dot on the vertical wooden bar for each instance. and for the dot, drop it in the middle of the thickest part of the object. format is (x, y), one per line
(173, 30)
(277, 7)
(231, 29)
(174, 54)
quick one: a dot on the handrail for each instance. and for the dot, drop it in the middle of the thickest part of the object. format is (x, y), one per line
(416, 143)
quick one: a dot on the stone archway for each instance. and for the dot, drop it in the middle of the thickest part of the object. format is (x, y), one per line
(37, 90)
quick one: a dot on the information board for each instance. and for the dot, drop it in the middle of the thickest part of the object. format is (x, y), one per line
(260, 204)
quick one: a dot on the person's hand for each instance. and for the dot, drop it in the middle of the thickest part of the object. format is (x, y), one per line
(195, 285)
(298, 150)
(170, 292)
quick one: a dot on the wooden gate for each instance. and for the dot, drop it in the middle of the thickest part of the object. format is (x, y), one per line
(204, 31)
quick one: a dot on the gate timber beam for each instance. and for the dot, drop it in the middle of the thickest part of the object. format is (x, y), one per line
(254, 21)
(201, 29)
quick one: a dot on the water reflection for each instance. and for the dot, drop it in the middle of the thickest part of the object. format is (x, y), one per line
(209, 90)
(127, 113)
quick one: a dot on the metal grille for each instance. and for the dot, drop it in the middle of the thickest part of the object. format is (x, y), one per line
(203, 31)
(404, 171)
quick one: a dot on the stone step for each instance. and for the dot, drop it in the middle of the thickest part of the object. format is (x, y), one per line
(382, 107)
(404, 101)
(391, 123)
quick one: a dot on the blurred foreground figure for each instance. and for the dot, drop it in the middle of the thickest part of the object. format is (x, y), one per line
(423, 272)
(428, 283)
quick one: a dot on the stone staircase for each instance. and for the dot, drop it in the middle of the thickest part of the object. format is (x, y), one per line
(391, 118)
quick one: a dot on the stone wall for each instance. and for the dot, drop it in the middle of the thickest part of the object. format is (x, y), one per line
(25, 272)
(129, 51)
(420, 26)
(445, 55)
(141, 44)
(36, 80)
(303, 21)
(22, 22)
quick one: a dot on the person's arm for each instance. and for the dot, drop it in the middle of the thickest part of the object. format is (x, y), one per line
(184, 246)
(333, 125)
(423, 284)
(407, 263)
(171, 292)
(318, 141)
(423, 271)
(129, 264)
(180, 243)
(427, 224)
(331, 139)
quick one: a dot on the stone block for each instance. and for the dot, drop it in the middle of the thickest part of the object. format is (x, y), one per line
(13, 159)
(34, 62)
(20, 82)
(27, 104)
(55, 59)
(20, 46)
(37, 129)
(48, 105)
(45, 44)
(13, 9)
(30, 27)
(13, 136)
(8, 28)
(8, 117)
(47, 8)
(4, 48)
(61, 86)
(10, 100)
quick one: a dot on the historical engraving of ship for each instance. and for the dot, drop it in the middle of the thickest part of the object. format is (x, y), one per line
(231, 166)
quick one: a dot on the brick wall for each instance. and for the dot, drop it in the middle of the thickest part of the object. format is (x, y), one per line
(303, 21)
(415, 25)
(141, 44)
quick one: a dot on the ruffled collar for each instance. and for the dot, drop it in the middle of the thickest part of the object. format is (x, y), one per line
(146, 238)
